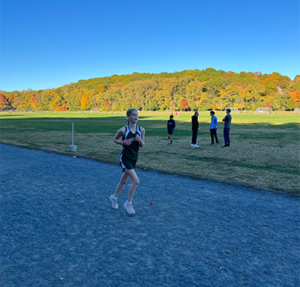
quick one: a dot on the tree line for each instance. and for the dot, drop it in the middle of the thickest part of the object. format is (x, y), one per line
(186, 90)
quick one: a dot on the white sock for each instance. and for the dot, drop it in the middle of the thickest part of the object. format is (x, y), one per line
(113, 196)
(128, 202)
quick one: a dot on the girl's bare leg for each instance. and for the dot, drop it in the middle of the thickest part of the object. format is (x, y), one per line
(135, 182)
(170, 138)
(121, 184)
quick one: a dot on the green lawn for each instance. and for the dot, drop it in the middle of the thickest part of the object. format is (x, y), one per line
(264, 148)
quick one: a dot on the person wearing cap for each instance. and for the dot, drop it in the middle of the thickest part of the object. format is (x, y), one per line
(227, 125)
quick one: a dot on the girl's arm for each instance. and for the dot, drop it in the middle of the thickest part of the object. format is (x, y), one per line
(120, 133)
(139, 139)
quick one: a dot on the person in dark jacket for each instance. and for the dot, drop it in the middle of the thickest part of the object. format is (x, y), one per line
(227, 125)
(170, 126)
(195, 129)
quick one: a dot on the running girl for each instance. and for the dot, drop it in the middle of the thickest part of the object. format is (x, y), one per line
(132, 138)
(170, 126)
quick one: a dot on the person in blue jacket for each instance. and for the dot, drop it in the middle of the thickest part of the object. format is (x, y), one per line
(213, 128)
(170, 126)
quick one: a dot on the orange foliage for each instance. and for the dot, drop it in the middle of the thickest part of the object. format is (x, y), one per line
(295, 96)
(64, 107)
(34, 101)
(3, 102)
(268, 105)
(84, 102)
(239, 84)
(257, 74)
(270, 84)
(184, 104)
(229, 75)
(107, 106)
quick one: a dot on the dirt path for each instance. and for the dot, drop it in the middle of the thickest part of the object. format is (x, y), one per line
(197, 233)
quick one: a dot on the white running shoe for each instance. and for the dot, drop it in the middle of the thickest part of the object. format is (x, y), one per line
(129, 207)
(192, 145)
(196, 145)
(114, 203)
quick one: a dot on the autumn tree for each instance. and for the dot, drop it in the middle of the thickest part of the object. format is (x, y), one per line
(3, 102)
(295, 96)
(45, 100)
(168, 93)
(85, 103)
(154, 105)
(56, 102)
(232, 92)
(202, 90)
(107, 106)
(267, 105)
(10, 97)
(194, 93)
(34, 103)
(291, 105)
(184, 105)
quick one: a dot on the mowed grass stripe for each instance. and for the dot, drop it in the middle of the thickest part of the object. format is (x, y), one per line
(264, 150)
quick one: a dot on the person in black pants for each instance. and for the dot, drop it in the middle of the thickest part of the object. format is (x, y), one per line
(195, 129)
(171, 126)
(213, 128)
(227, 125)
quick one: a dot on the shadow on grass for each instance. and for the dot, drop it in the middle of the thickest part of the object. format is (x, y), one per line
(153, 127)
(264, 151)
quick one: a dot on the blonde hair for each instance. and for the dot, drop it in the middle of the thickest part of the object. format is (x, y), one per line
(129, 112)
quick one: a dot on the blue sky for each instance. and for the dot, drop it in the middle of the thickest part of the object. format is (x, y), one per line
(47, 44)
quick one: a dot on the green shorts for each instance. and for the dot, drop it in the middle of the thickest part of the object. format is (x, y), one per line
(127, 163)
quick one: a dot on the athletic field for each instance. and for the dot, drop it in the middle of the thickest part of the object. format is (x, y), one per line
(264, 149)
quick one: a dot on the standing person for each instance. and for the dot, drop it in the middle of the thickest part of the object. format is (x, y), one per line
(170, 126)
(227, 125)
(195, 129)
(132, 138)
(213, 128)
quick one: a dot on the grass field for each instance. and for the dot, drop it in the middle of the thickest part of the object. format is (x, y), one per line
(264, 148)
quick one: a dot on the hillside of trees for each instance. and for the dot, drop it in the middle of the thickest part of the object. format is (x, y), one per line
(186, 90)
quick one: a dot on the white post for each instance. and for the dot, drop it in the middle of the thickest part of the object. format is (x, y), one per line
(72, 133)
(72, 147)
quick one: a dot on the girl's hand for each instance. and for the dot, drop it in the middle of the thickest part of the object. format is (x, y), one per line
(126, 142)
(139, 139)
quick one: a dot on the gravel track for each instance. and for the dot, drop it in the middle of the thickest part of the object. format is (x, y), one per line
(58, 228)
